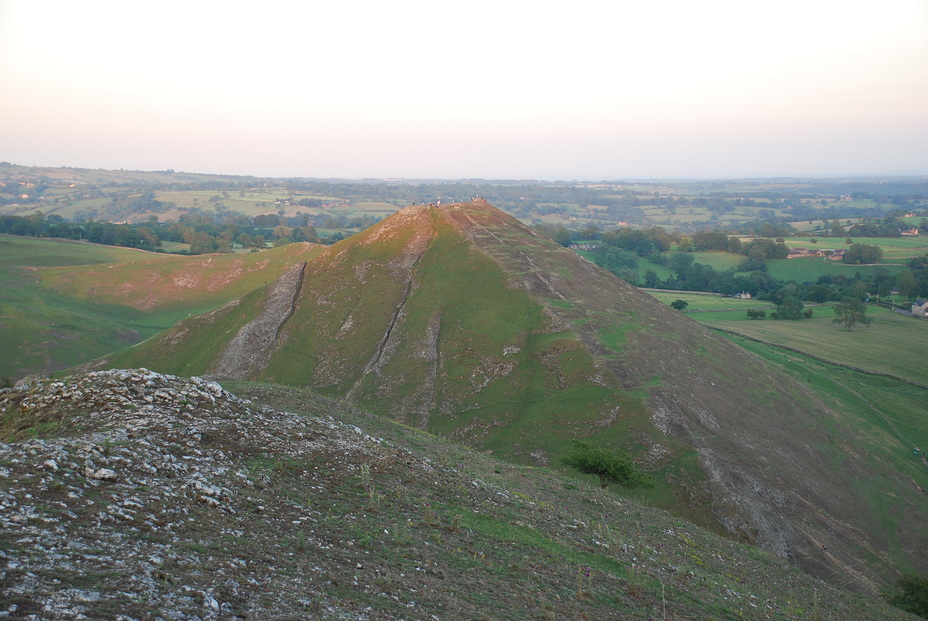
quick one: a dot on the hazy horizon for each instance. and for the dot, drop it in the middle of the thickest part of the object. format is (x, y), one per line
(667, 90)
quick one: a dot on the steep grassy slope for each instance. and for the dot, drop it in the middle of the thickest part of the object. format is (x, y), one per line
(878, 422)
(65, 303)
(149, 496)
(462, 321)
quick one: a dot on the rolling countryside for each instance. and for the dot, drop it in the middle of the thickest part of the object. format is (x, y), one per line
(791, 438)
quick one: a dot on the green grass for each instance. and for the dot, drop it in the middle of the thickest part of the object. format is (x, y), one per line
(208, 336)
(521, 542)
(31, 252)
(719, 261)
(810, 270)
(708, 302)
(882, 419)
(65, 303)
(892, 344)
(41, 329)
(663, 272)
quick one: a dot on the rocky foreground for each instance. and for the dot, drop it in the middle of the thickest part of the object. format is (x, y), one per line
(136, 495)
(117, 516)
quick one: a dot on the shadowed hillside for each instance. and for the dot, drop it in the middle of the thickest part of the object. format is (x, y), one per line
(461, 321)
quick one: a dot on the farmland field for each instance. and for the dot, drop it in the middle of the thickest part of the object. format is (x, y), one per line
(708, 302)
(719, 261)
(893, 344)
(810, 270)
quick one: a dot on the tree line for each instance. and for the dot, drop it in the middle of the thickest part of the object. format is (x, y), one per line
(619, 251)
(203, 232)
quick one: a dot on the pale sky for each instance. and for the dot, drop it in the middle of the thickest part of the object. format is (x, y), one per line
(486, 88)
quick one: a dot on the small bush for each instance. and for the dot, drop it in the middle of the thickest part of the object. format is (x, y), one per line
(911, 595)
(610, 466)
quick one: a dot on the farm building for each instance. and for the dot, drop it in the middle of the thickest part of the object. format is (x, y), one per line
(801, 253)
(920, 309)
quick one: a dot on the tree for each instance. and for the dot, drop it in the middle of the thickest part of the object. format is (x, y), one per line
(905, 283)
(912, 595)
(756, 313)
(710, 240)
(789, 308)
(612, 467)
(679, 304)
(851, 311)
(680, 262)
(651, 279)
(863, 254)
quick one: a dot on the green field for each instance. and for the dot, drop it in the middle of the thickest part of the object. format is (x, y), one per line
(719, 261)
(875, 376)
(810, 270)
(896, 253)
(36, 324)
(892, 344)
(708, 302)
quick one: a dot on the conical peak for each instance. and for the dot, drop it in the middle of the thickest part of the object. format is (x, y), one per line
(416, 224)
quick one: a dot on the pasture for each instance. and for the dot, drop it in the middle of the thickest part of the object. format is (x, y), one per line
(719, 261)
(810, 270)
(39, 326)
(896, 253)
(707, 302)
(893, 344)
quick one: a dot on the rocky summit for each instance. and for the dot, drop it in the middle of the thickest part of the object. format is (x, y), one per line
(138, 495)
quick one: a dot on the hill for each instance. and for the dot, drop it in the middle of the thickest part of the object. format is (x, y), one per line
(463, 322)
(130, 494)
(67, 302)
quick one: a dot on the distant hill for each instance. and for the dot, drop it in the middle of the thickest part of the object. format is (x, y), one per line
(134, 495)
(461, 321)
(683, 206)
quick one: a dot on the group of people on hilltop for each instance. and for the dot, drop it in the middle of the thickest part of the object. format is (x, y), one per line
(476, 199)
